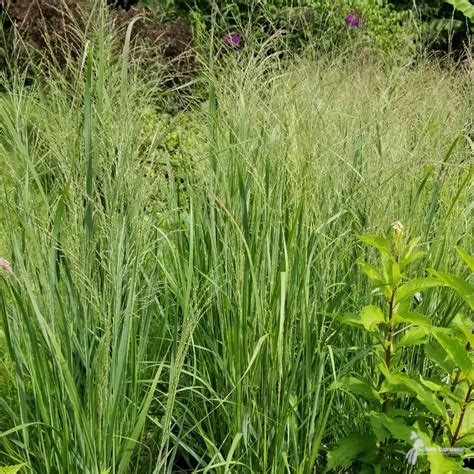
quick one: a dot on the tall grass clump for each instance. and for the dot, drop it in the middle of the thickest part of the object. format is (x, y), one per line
(79, 309)
(302, 161)
(159, 327)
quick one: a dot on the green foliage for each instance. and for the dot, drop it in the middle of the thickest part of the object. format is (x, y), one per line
(444, 23)
(354, 446)
(307, 23)
(11, 469)
(392, 330)
(464, 6)
(173, 275)
(386, 29)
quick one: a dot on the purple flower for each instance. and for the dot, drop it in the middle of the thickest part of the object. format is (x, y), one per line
(352, 19)
(233, 40)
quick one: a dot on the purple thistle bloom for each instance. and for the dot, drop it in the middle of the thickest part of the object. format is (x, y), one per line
(352, 19)
(233, 40)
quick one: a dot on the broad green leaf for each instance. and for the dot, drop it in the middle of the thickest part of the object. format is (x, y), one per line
(464, 289)
(358, 387)
(412, 318)
(375, 277)
(414, 336)
(405, 261)
(433, 386)
(352, 319)
(384, 369)
(439, 463)
(438, 355)
(409, 255)
(454, 348)
(392, 270)
(371, 271)
(464, 6)
(11, 469)
(395, 426)
(371, 316)
(349, 449)
(380, 243)
(368, 318)
(414, 286)
(465, 326)
(404, 306)
(470, 374)
(466, 441)
(428, 399)
(397, 412)
(440, 389)
(466, 257)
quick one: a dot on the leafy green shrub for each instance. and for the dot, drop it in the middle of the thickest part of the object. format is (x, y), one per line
(444, 23)
(58, 30)
(407, 407)
(308, 22)
(385, 28)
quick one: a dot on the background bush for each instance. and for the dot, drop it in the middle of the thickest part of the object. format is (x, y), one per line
(386, 22)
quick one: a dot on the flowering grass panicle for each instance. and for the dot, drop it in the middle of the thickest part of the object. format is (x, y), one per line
(5, 266)
(397, 226)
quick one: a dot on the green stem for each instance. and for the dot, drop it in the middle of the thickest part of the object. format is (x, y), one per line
(454, 384)
(388, 346)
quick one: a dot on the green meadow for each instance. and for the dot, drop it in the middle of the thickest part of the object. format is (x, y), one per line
(181, 280)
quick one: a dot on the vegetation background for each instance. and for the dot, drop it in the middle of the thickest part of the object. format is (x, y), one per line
(184, 189)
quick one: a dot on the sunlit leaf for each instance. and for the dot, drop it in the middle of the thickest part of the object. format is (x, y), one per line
(465, 326)
(454, 348)
(409, 255)
(414, 336)
(464, 289)
(371, 316)
(352, 319)
(464, 6)
(375, 277)
(438, 355)
(466, 257)
(428, 399)
(380, 243)
(414, 286)
(412, 318)
(11, 469)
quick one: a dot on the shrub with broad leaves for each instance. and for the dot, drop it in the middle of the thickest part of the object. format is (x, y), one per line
(411, 418)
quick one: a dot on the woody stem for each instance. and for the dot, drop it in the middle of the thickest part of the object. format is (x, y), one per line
(455, 436)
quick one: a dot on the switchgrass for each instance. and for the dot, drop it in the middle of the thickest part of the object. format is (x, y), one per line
(156, 329)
